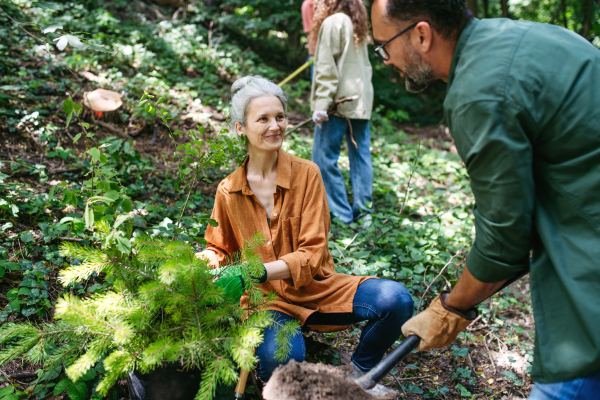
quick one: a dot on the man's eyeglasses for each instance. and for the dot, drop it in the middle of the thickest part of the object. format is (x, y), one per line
(380, 50)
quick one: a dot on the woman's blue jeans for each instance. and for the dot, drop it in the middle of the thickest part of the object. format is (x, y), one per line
(585, 388)
(326, 152)
(386, 305)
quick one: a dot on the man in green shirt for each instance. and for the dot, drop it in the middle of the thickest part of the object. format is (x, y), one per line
(523, 106)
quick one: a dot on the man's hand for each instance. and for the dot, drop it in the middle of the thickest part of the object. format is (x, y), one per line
(233, 284)
(438, 325)
(320, 116)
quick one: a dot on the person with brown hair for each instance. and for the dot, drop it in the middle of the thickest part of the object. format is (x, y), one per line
(340, 34)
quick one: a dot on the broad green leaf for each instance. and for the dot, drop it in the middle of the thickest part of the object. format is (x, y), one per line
(89, 375)
(6, 391)
(123, 245)
(77, 391)
(126, 206)
(15, 305)
(112, 194)
(95, 153)
(68, 105)
(77, 109)
(103, 159)
(88, 217)
(26, 237)
(463, 390)
(2, 272)
(84, 125)
(76, 138)
(160, 100)
(213, 223)
(120, 219)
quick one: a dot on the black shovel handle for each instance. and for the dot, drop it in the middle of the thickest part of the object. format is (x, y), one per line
(384, 367)
(379, 371)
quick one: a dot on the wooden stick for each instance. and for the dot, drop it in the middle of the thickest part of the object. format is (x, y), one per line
(241, 385)
(296, 72)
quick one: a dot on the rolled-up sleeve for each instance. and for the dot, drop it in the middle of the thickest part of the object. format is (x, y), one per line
(305, 262)
(498, 154)
(219, 237)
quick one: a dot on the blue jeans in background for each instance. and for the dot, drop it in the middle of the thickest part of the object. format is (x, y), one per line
(326, 152)
(386, 305)
(585, 388)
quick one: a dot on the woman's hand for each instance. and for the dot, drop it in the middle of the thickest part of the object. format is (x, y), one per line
(320, 116)
(209, 256)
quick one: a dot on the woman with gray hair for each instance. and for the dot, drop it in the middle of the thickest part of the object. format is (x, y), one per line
(283, 197)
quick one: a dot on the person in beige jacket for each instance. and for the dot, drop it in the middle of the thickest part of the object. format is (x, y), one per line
(342, 70)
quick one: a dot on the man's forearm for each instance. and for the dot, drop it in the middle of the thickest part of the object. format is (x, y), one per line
(469, 292)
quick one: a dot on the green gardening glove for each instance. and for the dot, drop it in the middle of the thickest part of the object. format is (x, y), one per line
(233, 283)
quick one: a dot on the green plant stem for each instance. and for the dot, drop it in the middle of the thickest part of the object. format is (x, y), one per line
(185, 205)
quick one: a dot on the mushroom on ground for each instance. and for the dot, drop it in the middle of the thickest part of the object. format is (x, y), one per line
(104, 103)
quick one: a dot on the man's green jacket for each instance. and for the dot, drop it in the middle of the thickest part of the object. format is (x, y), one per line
(523, 106)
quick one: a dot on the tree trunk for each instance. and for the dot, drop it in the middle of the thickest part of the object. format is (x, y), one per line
(587, 17)
(472, 4)
(486, 4)
(564, 12)
(504, 5)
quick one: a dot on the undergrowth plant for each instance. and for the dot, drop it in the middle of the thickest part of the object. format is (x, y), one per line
(162, 307)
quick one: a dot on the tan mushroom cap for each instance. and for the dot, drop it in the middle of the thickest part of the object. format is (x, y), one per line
(102, 100)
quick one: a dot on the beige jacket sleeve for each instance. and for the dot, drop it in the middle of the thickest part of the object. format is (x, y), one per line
(342, 69)
(331, 44)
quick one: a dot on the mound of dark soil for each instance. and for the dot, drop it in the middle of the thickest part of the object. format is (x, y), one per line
(306, 381)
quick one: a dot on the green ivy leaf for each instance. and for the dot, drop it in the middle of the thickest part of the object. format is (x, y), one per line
(213, 223)
(61, 386)
(15, 305)
(89, 375)
(26, 237)
(76, 138)
(463, 390)
(77, 391)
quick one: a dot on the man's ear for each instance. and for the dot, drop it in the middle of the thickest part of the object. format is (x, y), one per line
(239, 128)
(423, 38)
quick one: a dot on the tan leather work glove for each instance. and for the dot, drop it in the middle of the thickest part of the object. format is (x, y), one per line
(438, 325)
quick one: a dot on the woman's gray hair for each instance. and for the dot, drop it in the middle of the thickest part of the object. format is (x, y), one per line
(247, 88)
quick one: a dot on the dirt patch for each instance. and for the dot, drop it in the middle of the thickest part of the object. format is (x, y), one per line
(306, 381)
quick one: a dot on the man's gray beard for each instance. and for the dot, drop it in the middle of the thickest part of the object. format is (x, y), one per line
(417, 74)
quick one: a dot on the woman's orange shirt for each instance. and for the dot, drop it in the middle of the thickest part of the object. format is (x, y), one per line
(298, 235)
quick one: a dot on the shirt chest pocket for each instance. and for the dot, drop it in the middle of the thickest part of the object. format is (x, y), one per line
(291, 233)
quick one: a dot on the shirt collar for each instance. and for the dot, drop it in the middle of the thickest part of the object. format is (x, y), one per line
(460, 45)
(239, 181)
